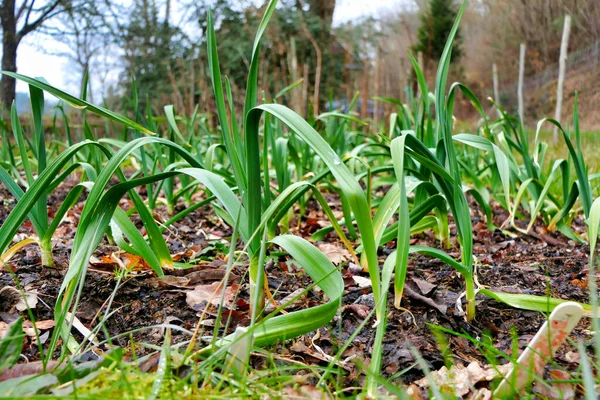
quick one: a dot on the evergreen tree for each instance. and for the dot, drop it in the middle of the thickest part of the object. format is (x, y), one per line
(436, 23)
(152, 47)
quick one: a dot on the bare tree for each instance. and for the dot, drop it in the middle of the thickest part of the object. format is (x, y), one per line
(87, 33)
(18, 21)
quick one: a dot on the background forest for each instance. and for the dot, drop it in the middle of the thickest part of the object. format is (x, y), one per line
(162, 44)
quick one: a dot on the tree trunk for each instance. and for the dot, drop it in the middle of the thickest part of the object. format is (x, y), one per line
(10, 42)
(324, 10)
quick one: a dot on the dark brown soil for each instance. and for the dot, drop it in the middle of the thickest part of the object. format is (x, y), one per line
(541, 263)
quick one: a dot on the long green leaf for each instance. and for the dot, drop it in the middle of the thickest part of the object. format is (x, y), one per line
(347, 182)
(78, 103)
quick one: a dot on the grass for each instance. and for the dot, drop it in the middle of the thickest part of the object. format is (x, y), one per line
(590, 140)
(255, 171)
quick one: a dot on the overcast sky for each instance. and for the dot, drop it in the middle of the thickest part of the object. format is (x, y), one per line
(33, 62)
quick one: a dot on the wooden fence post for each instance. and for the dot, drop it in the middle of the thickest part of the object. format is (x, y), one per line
(496, 88)
(562, 66)
(364, 109)
(377, 86)
(521, 82)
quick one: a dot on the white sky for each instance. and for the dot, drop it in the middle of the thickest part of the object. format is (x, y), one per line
(33, 62)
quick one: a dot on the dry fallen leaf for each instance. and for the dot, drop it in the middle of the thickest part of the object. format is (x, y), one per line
(442, 308)
(336, 254)
(424, 287)
(30, 301)
(13, 297)
(482, 394)
(40, 325)
(31, 368)
(572, 356)
(562, 390)
(84, 330)
(459, 380)
(362, 282)
(295, 298)
(169, 280)
(3, 329)
(45, 324)
(359, 309)
(305, 392)
(212, 294)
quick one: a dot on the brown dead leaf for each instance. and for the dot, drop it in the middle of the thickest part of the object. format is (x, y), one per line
(295, 298)
(459, 380)
(582, 283)
(442, 308)
(150, 364)
(336, 254)
(211, 294)
(12, 297)
(186, 254)
(169, 280)
(547, 239)
(424, 287)
(31, 368)
(210, 274)
(360, 310)
(482, 394)
(30, 301)
(414, 392)
(305, 392)
(572, 357)
(40, 325)
(313, 351)
(134, 262)
(562, 390)
(108, 263)
(45, 324)
(354, 269)
(362, 282)
(501, 246)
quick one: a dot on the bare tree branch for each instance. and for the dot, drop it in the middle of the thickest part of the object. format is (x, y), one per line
(46, 14)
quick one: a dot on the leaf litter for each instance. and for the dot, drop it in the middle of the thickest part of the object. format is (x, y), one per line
(523, 264)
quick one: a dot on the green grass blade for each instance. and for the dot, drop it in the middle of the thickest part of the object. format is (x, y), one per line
(501, 165)
(89, 233)
(252, 84)
(346, 180)
(593, 223)
(585, 192)
(403, 243)
(69, 201)
(26, 203)
(78, 103)
(544, 304)
(442, 256)
(322, 272)
(540, 202)
(18, 132)
(217, 83)
(225, 195)
(140, 246)
(11, 345)
(589, 380)
(18, 193)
